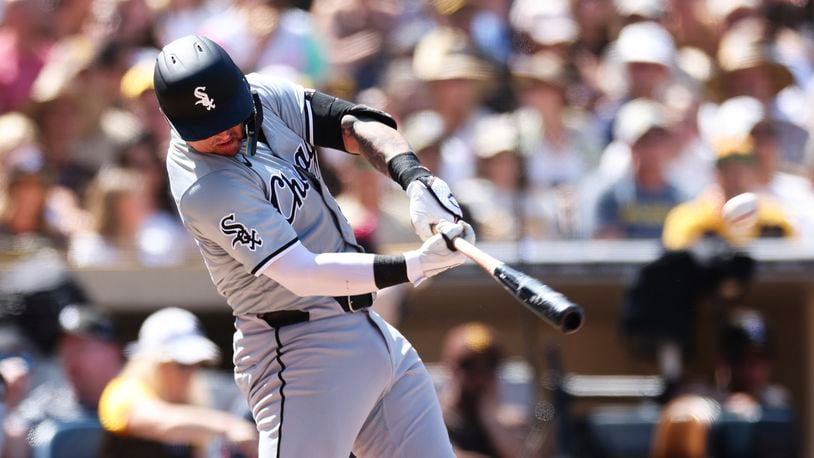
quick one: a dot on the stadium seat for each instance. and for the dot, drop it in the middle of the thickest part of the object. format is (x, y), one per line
(73, 439)
(771, 434)
(622, 431)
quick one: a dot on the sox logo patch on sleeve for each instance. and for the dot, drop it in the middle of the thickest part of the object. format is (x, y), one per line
(240, 234)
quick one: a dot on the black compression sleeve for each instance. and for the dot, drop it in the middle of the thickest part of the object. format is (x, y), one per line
(327, 112)
(389, 270)
(405, 168)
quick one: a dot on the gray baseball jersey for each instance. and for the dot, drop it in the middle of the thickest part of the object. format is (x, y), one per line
(246, 212)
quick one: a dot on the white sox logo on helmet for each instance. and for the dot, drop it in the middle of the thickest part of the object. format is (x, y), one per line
(240, 234)
(203, 98)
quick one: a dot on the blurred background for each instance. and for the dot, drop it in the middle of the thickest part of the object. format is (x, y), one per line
(652, 159)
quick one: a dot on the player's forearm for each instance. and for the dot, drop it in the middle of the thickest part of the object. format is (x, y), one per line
(340, 274)
(377, 142)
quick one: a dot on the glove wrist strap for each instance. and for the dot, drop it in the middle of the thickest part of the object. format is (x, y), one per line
(405, 167)
(389, 270)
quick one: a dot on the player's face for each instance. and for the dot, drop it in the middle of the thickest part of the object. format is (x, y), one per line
(226, 143)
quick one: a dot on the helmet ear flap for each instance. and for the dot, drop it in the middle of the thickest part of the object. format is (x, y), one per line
(254, 125)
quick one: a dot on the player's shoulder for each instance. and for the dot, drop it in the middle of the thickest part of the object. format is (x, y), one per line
(274, 91)
(219, 187)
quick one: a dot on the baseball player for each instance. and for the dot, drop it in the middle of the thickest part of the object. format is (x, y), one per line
(323, 374)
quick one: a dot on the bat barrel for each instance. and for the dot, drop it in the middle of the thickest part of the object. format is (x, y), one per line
(553, 307)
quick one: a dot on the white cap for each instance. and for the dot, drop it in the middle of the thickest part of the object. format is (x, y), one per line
(646, 42)
(174, 334)
(546, 22)
(496, 134)
(638, 117)
(736, 117)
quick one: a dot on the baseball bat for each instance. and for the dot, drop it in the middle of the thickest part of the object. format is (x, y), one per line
(551, 306)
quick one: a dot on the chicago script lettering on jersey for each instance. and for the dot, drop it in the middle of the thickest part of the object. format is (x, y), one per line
(240, 234)
(288, 194)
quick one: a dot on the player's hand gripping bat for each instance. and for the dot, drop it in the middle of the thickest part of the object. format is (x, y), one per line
(546, 303)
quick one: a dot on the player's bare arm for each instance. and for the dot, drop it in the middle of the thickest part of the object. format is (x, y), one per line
(377, 142)
(431, 200)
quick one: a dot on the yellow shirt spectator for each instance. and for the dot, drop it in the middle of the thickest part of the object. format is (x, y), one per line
(117, 402)
(701, 217)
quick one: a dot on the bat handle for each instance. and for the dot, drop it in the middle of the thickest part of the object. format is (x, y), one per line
(484, 260)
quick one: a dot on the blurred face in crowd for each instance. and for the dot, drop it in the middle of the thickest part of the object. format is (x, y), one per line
(147, 111)
(462, 19)
(647, 79)
(226, 143)
(455, 99)
(476, 374)
(503, 169)
(542, 96)
(25, 17)
(131, 209)
(27, 194)
(175, 380)
(766, 149)
(89, 364)
(652, 152)
(736, 176)
(751, 373)
(592, 17)
(143, 157)
(430, 157)
(60, 128)
(136, 21)
(755, 82)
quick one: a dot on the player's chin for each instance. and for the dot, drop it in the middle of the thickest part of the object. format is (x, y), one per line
(227, 149)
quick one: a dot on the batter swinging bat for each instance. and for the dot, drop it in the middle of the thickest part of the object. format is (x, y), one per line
(546, 303)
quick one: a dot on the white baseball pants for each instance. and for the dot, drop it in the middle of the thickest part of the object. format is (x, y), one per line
(349, 382)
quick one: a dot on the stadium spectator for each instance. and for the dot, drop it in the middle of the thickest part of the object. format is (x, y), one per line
(357, 33)
(692, 167)
(747, 67)
(543, 26)
(501, 206)
(630, 72)
(694, 425)
(139, 98)
(14, 379)
(23, 51)
(596, 25)
(479, 426)
(649, 68)
(89, 356)
(24, 214)
(556, 138)
(157, 405)
(701, 217)
(424, 131)
(447, 62)
(636, 205)
(127, 225)
(745, 365)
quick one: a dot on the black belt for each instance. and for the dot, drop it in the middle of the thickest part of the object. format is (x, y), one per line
(354, 303)
(282, 318)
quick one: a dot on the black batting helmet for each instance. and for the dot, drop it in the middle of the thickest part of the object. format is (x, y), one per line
(200, 89)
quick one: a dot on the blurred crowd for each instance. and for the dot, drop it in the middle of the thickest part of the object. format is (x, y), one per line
(551, 120)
